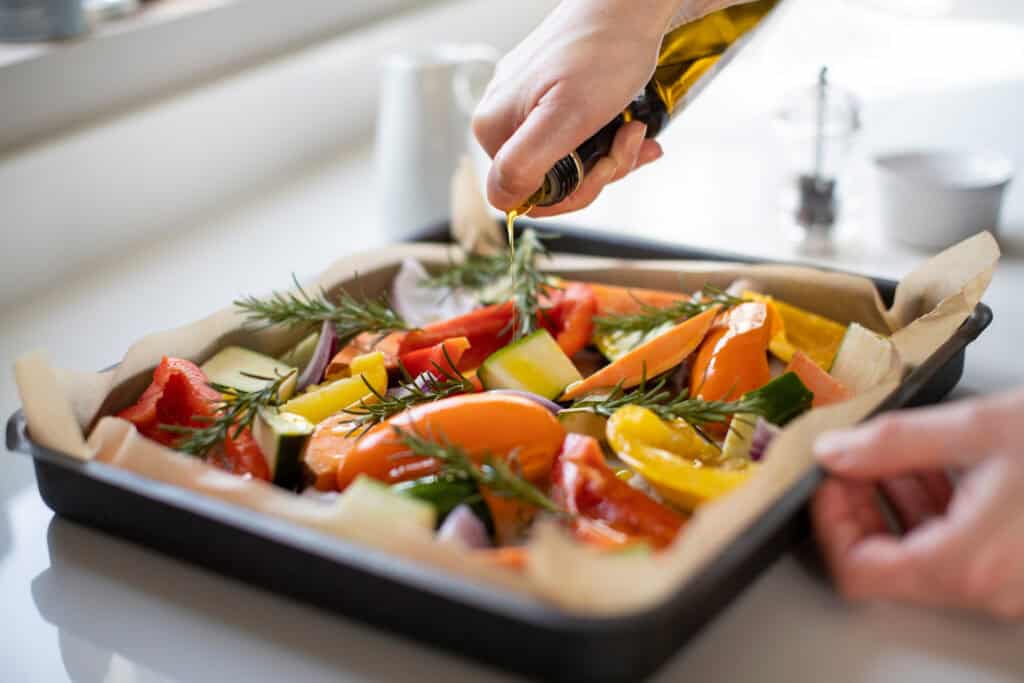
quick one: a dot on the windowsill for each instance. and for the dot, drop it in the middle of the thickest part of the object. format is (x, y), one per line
(168, 46)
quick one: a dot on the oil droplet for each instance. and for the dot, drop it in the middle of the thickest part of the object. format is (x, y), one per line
(510, 224)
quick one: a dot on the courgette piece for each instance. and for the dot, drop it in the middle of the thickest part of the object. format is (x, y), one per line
(617, 343)
(864, 359)
(232, 365)
(585, 422)
(282, 438)
(299, 355)
(739, 439)
(782, 399)
(375, 505)
(446, 494)
(535, 363)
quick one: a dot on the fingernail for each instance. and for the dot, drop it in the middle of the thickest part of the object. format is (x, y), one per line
(606, 170)
(830, 448)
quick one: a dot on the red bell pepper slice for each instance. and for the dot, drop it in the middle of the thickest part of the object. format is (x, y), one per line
(584, 484)
(570, 319)
(179, 395)
(434, 357)
(487, 329)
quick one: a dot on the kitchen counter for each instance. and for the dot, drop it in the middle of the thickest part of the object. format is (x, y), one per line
(82, 606)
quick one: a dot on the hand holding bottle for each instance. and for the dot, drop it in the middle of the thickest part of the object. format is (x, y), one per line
(962, 548)
(576, 72)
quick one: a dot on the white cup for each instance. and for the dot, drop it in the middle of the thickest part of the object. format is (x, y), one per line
(935, 199)
(427, 98)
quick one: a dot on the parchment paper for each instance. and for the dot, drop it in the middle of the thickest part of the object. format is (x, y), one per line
(62, 406)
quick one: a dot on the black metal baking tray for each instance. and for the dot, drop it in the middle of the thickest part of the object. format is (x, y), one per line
(485, 624)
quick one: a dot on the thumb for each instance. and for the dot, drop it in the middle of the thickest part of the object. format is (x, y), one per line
(958, 434)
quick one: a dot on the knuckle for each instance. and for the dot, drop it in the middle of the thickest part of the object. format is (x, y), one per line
(513, 178)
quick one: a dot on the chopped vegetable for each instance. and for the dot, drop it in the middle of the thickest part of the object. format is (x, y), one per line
(585, 422)
(738, 441)
(377, 505)
(282, 438)
(464, 527)
(327, 447)
(654, 356)
(615, 344)
(368, 342)
(367, 372)
(864, 359)
(421, 300)
(482, 424)
(445, 493)
(486, 328)
(781, 400)
(242, 369)
(539, 400)
(733, 359)
(650, 318)
(585, 485)
(612, 300)
(800, 330)
(299, 355)
(570, 317)
(326, 347)
(178, 395)
(826, 388)
(535, 364)
(764, 433)
(670, 457)
(442, 359)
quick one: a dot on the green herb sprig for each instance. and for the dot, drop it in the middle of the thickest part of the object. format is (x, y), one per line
(495, 473)
(651, 317)
(349, 315)
(656, 397)
(528, 282)
(474, 273)
(232, 415)
(440, 383)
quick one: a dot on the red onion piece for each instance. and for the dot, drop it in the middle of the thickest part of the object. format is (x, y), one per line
(463, 526)
(764, 433)
(326, 347)
(540, 400)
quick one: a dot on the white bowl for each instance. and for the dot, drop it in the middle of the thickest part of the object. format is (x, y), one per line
(935, 199)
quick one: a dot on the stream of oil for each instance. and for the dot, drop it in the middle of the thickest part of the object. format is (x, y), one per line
(510, 222)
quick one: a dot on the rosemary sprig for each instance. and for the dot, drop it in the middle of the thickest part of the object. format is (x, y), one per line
(528, 282)
(350, 316)
(236, 411)
(429, 387)
(660, 400)
(475, 272)
(495, 473)
(651, 317)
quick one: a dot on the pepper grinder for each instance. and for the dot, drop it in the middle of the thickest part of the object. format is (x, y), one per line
(818, 125)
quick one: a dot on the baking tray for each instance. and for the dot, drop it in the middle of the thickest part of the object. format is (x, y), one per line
(430, 605)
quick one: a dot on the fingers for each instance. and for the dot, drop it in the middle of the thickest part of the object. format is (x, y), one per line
(552, 129)
(951, 435)
(628, 148)
(844, 513)
(912, 501)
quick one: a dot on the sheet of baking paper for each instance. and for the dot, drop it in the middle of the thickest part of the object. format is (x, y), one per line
(61, 407)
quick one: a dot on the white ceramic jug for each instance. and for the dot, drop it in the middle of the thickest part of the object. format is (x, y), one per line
(426, 100)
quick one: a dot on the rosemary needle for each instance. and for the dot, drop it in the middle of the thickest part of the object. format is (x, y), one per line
(652, 317)
(495, 473)
(349, 315)
(236, 412)
(428, 387)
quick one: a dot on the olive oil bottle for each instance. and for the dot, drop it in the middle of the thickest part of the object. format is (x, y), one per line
(687, 58)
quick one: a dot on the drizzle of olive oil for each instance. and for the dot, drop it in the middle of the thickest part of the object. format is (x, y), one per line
(510, 222)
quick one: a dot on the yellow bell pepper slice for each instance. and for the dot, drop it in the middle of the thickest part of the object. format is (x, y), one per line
(334, 397)
(794, 329)
(671, 456)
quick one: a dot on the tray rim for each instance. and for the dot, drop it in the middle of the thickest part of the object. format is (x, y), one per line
(480, 595)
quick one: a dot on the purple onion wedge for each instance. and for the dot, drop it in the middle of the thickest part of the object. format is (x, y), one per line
(464, 526)
(326, 347)
(764, 433)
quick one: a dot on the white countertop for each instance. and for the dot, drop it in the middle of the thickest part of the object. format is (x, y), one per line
(82, 606)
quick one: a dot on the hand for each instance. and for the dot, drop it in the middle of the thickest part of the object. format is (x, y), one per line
(963, 547)
(573, 74)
